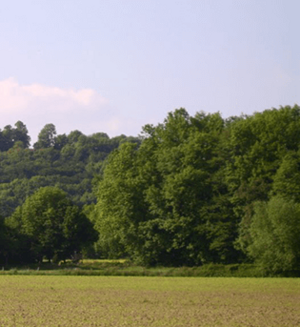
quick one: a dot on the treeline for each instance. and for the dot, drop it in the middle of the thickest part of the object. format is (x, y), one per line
(204, 189)
(58, 169)
(189, 191)
(69, 162)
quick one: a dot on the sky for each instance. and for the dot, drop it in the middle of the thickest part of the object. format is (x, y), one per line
(114, 66)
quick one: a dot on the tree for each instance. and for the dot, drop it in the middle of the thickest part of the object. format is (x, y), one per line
(287, 178)
(4, 242)
(7, 139)
(74, 136)
(257, 144)
(21, 134)
(162, 202)
(256, 148)
(9, 136)
(185, 192)
(53, 226)
(46, 137)
(60, 141)
(115, 203)
(275, 235)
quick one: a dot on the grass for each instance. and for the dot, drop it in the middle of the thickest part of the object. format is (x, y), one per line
(68, 301)
(90, 267)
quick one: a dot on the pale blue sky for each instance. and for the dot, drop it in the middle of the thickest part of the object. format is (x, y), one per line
(115, 65)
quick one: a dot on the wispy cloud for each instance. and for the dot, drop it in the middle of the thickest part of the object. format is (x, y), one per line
(17, 98)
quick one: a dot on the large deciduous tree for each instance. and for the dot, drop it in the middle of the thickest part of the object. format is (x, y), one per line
(163, 202)
(53, 226)
(260, 150)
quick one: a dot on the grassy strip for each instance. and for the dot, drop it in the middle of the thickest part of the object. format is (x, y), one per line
(100, 268)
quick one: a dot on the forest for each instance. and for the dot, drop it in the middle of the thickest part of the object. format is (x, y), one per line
(190, 191)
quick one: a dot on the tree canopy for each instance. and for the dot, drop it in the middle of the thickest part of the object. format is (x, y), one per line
(158, 202)
(52, 225)
(275, 233)
(189, 191)
(188, 194)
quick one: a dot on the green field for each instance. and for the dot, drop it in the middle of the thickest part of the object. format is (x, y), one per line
(148, 301)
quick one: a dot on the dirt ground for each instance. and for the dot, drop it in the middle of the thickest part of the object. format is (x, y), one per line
(53, 301)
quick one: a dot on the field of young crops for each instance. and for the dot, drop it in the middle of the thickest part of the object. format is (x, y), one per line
(71, 301)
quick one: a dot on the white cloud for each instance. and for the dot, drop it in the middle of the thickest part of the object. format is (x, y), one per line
(16, 98)
(85, 109)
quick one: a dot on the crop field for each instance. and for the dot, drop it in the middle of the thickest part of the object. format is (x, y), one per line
(35, 301)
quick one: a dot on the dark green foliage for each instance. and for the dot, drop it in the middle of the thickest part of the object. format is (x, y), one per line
(257, 147)
(275, 235)
(190, 191)
(52, 225)
(187, 194)
(46, 138)
(287, 178)
(163, 203)
(69, 162)
(5, 242)
(115, 268)
(10, 136)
